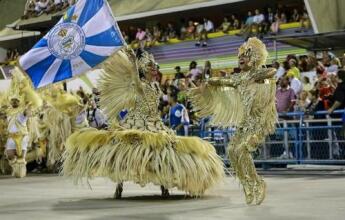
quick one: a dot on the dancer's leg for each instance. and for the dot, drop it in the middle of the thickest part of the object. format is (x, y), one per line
(118, 191)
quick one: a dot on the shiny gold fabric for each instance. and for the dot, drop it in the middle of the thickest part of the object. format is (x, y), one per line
(140, 148)
(245, 101)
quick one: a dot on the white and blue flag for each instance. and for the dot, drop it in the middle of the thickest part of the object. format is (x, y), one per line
(83, 38)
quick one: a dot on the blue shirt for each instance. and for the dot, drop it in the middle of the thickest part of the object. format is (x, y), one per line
(175, 116)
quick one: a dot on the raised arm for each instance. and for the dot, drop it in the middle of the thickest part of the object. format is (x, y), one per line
(264, 73)
(223, 82)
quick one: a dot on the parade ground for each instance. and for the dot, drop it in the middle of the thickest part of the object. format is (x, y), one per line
(56, 198)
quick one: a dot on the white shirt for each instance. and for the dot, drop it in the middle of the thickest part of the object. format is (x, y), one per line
(208, 25)
(280, 72)
(195, 73)
(258, 18)
(296, 85)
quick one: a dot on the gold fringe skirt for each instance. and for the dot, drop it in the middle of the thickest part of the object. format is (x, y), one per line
(187, 163)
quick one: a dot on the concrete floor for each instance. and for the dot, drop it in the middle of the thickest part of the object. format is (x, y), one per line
(55, 198)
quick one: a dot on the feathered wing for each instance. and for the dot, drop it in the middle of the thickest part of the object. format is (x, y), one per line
(223, 104)
(119, 84)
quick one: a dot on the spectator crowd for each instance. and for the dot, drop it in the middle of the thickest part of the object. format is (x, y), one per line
(255, 23)
(35, 8)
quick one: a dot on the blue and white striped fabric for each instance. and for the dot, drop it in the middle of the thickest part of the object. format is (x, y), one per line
(83, 38)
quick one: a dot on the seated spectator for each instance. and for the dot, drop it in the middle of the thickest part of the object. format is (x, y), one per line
(190, 30)
(149, 38)
(125, 37)
(247, 27)
(44, 6)
(293, 71)
(157, 35)
(178, 116)
(225, 26)
(194, 72)
(58, 5)
(235, 23)
(285, 97)
(29, 9)
(283, 18)
(304, 21)
(170, 31)
(183, 32)
(275, 25)
(140, 38)
(295, 17)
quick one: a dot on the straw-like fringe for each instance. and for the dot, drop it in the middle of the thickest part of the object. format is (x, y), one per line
(188, 163)
(60, 128)
(223, 104)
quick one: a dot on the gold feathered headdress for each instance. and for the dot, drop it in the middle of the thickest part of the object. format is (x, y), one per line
(144, 60)
(256, 50)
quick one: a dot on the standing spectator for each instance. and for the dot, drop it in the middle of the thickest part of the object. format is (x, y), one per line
(293, 71)
(179, 74)
(194, 72)
(285, 97)
(307, 86)
(178, 116)
(280, 69)
(339, 93)
(140, 38)
(303, 102)
(259, 23)
(295, 84)
(295, 17)
(207, 72)
(335, 64)
(207, 27)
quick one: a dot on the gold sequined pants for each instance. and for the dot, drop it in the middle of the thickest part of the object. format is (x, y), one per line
(240, 148)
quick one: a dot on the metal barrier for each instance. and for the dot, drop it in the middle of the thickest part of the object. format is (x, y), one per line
(297, 140)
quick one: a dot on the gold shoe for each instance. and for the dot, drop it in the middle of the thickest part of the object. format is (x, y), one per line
(260, 191)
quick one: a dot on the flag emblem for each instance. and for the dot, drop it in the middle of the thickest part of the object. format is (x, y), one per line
(83, 38)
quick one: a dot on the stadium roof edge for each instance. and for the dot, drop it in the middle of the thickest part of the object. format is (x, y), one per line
(175, 9)
(315, 42)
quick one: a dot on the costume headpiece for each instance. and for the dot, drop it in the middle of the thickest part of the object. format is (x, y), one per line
(144, 60)
(256, 50)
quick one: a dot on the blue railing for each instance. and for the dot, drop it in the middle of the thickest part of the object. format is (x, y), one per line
(297, 140)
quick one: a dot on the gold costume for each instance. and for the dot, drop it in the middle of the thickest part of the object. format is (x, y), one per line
(20, 123)
(245, 101)
(140, 148)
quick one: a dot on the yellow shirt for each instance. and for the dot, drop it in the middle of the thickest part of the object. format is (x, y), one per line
(294, 71)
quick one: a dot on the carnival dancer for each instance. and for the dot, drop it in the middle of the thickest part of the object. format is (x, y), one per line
(140, 148)
(245, 100)
(23, 101)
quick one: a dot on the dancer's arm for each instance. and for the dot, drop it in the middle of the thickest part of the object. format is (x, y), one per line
(221, 81)
(262, 74)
